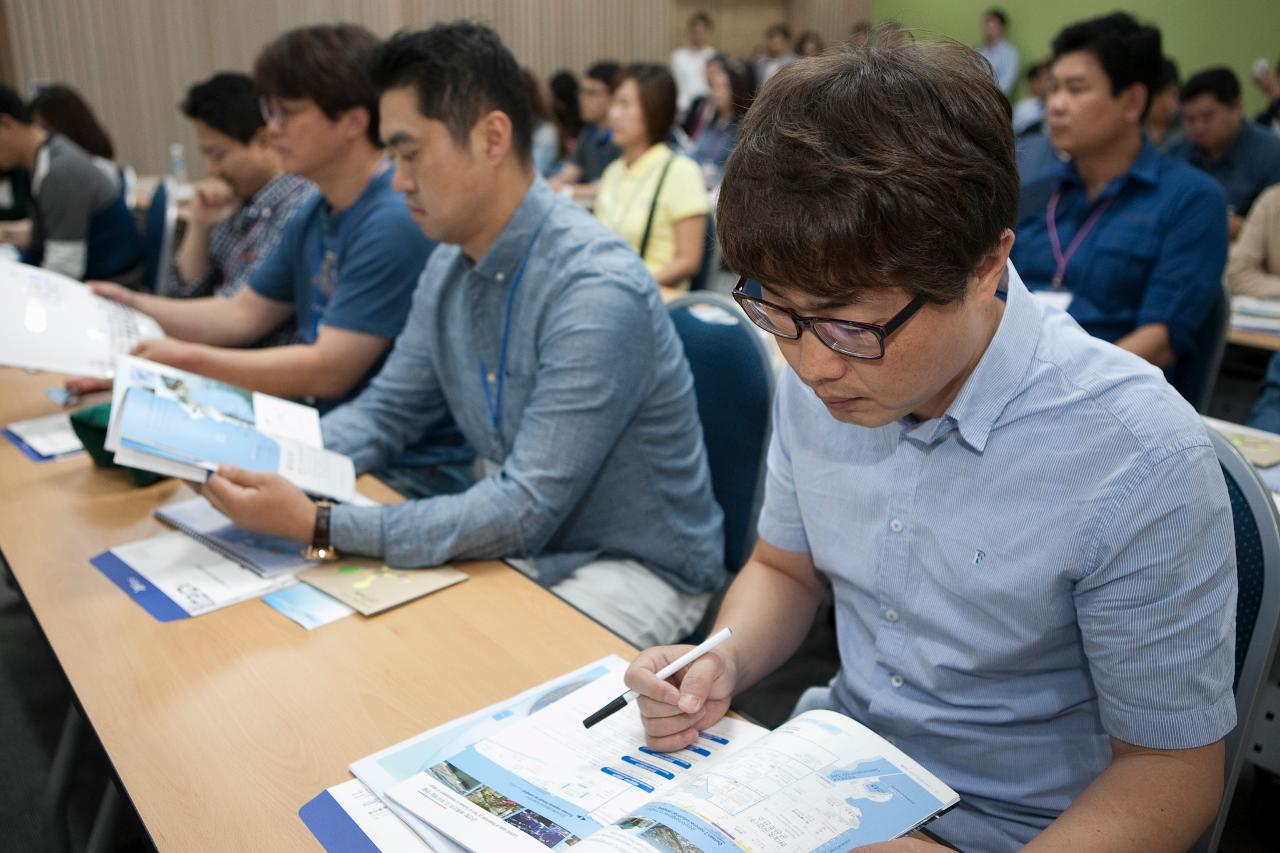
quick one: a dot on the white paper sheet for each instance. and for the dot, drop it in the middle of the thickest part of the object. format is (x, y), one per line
(48, 436)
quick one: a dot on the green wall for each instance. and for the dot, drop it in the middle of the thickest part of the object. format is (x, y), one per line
(1196, 33)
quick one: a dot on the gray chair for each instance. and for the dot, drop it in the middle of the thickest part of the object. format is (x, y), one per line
(1257, 535)
(1195, 376)
(159, 232)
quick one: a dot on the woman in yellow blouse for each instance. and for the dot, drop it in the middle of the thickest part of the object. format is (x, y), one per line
(653, 196)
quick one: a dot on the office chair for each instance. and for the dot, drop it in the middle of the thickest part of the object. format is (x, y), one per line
(1253, 515)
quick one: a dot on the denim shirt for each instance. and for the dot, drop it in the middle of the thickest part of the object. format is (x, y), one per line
(597, 450)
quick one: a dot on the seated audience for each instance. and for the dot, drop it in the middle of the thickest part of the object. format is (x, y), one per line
(809, 44)
(689, 62)
(653, 196)
(1025, 530)
(345, 266)
(1163, 124)
(1239, 154)
(731, 91)
(80, 224)
(238, 214)
(998, 50)
(60, 109)
(1137, 238)
(583, 412)
(777, 53)
(595, 148)
(1028, 113)
(564, 104)
(546, 142)
(1253, 265)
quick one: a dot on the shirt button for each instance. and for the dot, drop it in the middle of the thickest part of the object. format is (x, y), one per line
(891, 615)
(895, 526)
(501, 277)
(896, 681)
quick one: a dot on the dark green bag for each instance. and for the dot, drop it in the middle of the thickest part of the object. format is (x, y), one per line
(90, 425)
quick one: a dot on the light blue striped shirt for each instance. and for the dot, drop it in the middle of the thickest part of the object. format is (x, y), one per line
(1049, 563)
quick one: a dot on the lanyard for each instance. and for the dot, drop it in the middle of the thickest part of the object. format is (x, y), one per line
(261, 220)
(1059, 257)
(491, 381)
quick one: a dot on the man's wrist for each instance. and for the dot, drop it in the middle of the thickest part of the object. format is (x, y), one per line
(306, 525)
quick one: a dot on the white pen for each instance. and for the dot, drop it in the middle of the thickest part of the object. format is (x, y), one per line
(663, 674)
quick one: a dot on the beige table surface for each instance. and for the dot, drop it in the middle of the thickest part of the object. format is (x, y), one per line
(220, 727)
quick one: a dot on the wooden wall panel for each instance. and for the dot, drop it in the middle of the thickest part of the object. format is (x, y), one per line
(134, 59)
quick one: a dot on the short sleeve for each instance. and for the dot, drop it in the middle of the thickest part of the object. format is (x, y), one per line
(377, 273)
(781, 524)
(273, 276)
(1157, 609)
(684, 193)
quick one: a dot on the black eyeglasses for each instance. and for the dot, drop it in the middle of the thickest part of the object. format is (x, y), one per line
(856, 340)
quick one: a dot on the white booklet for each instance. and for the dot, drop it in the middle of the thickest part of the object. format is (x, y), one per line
(819, 782)
(51, 322)
(184, 425)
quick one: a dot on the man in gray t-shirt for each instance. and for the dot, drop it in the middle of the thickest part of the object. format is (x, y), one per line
(80, 224)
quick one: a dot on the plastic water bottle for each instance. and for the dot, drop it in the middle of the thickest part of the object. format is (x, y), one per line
(177, 163)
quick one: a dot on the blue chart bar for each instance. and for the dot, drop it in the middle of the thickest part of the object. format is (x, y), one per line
(644, 765)
(705, 753)
(631, 780)
(714, 738)
(678, 762)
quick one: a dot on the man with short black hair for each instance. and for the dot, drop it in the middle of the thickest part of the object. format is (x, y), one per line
(1028, 602)
(1135, 239)
(345, 267)
(998, 50)
(543, 336)
(778, 52)
(1236, 152)
(238, 213)
(81, 225)
(595, 148)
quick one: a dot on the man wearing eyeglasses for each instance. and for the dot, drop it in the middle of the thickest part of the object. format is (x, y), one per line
(1025, 529)
(344, 269)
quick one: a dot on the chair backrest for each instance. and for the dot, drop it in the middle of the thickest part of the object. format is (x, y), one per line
(158, 232)
(1195, 375)
(710, 257)
(733, 380)
(1257, 535)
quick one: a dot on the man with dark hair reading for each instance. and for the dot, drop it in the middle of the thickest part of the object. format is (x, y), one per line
(1135, 239)
(239, 211)
(1027, 601)
(595, 148)
(543, 336)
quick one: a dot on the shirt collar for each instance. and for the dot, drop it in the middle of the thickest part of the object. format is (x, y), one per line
(500, 262)
(1145, 168)
(998, 376)
(648, 160)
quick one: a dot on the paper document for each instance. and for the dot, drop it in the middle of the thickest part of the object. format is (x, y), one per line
(49, 437)
(183, 425)
(266, 555)
(51, 322)
(172, 576)
(351, 817)
(306, 605)
(370, 586)
(820, 782)
(1260, 447)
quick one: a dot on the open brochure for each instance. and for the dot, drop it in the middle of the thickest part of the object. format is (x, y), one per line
(819, 782)
(184, 425)
(51, 322)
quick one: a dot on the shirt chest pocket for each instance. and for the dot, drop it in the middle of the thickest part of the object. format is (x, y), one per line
(1122, 263)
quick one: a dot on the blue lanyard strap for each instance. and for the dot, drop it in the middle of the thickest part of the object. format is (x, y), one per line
(491, 383)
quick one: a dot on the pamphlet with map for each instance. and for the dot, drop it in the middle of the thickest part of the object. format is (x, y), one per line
(819, 782)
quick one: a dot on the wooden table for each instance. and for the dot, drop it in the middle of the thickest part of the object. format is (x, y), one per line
(1258, 340)
(220, 727)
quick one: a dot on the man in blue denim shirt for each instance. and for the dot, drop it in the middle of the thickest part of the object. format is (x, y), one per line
(1136, 239)
(543, 336)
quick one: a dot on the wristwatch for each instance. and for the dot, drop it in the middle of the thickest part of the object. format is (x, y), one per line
(320, 549)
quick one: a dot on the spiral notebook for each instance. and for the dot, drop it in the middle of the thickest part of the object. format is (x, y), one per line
(268, 556)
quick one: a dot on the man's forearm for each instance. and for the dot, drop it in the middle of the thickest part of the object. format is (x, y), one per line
(287, 371)
(770, 613)
(1150, 342)
(1146, 800)
(193, 255)
(208, 320)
